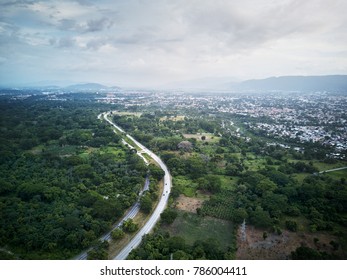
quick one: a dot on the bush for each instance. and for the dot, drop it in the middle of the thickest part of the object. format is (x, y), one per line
(130, 226)
(306, 253)
(291, 225)
(168, 216)
(117, 234)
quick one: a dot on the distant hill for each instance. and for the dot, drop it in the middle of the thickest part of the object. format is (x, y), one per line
(336, 83)
(87, 87)
(63, 85)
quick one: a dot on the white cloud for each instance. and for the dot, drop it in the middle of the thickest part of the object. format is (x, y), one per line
(158, 41)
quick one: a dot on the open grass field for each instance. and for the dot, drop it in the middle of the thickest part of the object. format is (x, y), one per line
(337, 174)
(193, 227)
(301, 176)
(253, 163)
(185, 185)
(321, 166)
(326, 166)
(112, 150)
(137, 114)
(173, 118)
(209, 137)
(228, 182)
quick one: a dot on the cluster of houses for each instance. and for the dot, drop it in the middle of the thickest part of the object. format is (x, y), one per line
(300, 117)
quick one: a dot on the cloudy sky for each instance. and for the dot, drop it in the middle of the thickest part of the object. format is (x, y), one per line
(138, 43)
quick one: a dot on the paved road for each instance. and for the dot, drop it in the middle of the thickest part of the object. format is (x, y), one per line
(331, 170)
(161, 205)
(152, 220)
(134, 210)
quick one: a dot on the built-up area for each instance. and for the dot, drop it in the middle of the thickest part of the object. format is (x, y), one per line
(283, 118)
(295, 117)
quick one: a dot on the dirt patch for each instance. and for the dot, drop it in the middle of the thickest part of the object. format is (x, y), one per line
(279, 247)
(189, 204)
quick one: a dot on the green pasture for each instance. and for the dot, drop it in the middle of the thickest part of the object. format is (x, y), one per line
(193, 227)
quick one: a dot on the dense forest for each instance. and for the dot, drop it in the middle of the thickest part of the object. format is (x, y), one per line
(64, 178)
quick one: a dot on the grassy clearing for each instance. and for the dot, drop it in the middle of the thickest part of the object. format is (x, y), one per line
(302, 222)
(37, 150)
(148, 158)
(84, 155)
(173, 118)
(228, 182)
(136, 114)
(321, 166)
(337, 175)
(112, 150)
(255, 164)
(193, 227)
(301, 176)
(131, 142)
(326, 166)
(207, 149)
(185, 185)
(209, 137)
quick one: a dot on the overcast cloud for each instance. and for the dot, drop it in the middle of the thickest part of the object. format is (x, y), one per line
(149, 43)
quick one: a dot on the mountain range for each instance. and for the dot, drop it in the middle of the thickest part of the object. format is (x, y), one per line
(83, 87)
(335, 83)
(89, 87)
(329, 83)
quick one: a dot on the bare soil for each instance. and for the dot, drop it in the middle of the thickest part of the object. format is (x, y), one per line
(279, 247)
(189, 204)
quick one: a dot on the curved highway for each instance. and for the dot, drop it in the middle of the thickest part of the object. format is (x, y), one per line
(133, 211)
(162, 202)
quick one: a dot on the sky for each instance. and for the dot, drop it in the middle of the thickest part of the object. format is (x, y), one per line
(149, 43)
